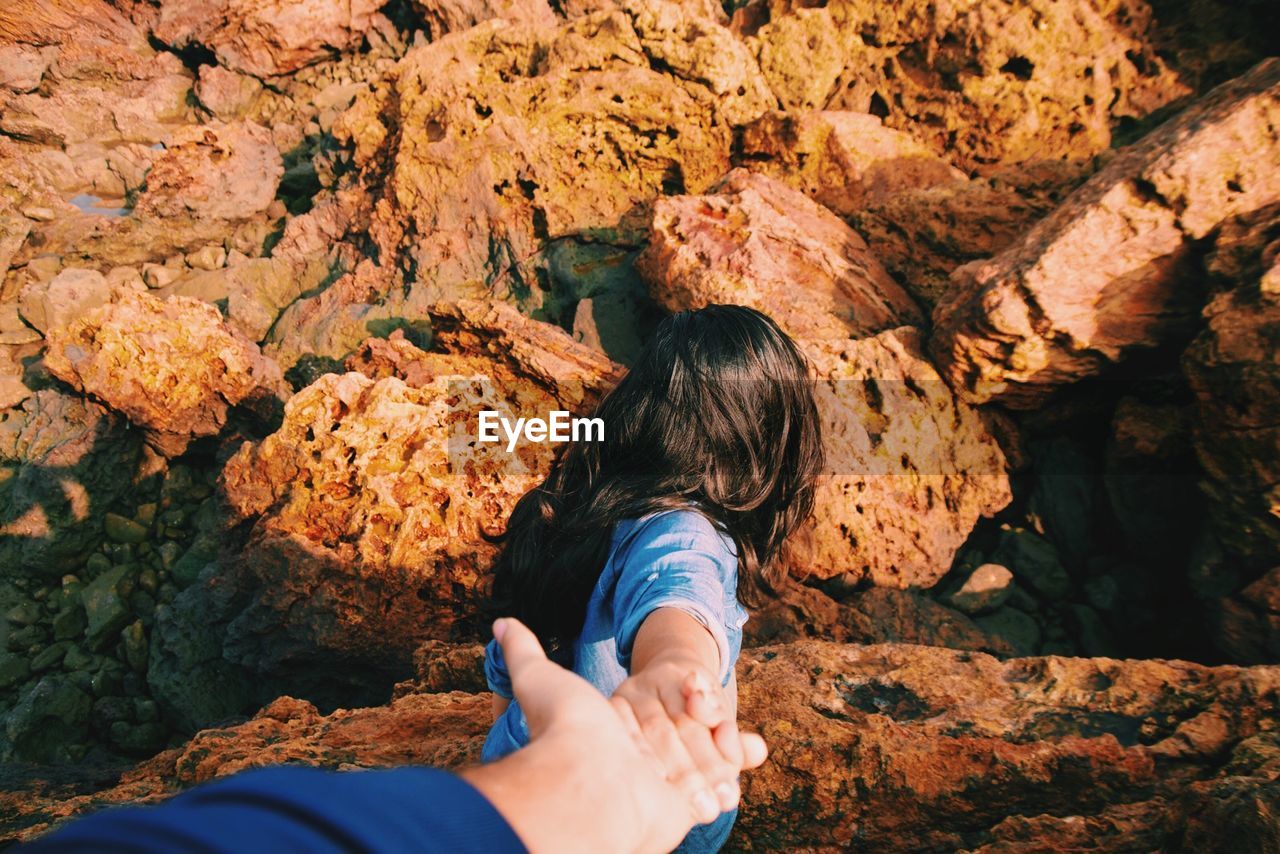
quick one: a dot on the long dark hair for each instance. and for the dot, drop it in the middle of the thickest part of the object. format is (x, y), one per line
(717, 414)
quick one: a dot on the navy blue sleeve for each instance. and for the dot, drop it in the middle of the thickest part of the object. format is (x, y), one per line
(292, 808)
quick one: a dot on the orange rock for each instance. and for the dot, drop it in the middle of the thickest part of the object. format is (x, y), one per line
(910, 467)
(755, 241)
(172, 367)
(1106, 273)
(884, 746)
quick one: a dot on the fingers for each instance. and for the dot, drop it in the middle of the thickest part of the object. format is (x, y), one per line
(720, 774)
(668, 745)
(729, 742)
(754, 750)
(702, 700)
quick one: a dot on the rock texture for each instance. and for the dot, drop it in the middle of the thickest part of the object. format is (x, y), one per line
(754, 241)
(367, 508)
(1106, 273)
(172, 367)
(505, 136)
(265, 37)
(883, 746)
(980, 81)
(63, 462)
(910, 467)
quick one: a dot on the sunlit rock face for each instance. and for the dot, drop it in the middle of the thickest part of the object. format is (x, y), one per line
(1107, 272)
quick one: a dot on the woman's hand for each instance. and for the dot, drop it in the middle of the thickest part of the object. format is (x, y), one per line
(686, 716)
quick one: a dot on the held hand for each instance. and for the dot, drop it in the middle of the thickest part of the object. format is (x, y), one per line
(588, 780)
(687, 719)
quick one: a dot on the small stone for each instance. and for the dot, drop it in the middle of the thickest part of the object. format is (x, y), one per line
(175, 516)
(1020, 630)
(13, 669)
(987, 588)
(70, 622)
(1034, 561)
(148, 580)
(169, 554)
(52, 715)
(145, 514)
(97, 564)
(135, 646)
(104, 605)
(24, 614)
(124, 530)
(51, 656)
(212, 257)
(39, 213)
(77, 659)
(158, 275)
(1103, 592)
(145, 710)
(107, 681)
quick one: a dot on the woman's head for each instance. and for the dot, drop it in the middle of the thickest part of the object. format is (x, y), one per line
(716, 413)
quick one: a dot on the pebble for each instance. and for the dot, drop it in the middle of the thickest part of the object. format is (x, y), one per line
(39, 213)
(124, 530)
(158, 275)
(51, 656)
(211, 257)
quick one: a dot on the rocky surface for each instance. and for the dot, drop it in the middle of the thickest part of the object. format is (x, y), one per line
(171, 366)
(756, 242)
(389, 214)
(1105, 273)
(910, 467)
(884, 745)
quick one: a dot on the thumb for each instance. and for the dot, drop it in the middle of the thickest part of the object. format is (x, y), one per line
(520, 647)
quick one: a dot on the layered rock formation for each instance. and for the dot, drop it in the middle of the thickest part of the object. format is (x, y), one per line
(880, 746)
(390, 215)
(1106, 272)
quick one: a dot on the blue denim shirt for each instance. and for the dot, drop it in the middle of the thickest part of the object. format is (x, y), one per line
(670, 559)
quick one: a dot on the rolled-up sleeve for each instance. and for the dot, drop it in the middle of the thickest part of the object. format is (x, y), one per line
(495, 671)
(676, 560)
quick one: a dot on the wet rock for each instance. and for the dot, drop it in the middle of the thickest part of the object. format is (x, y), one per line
(264, 38)
(485, 174)
(757, 242)
(123, 530)
(14, 669)
(845, 161)
(910, 468)
(988, 587)
(1106, 272)
(71, 294)
(69, 459)
(1247, 625)
(70, 622)
(193, 369)
(982, 83)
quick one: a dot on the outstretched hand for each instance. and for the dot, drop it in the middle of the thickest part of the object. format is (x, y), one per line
(589, 779)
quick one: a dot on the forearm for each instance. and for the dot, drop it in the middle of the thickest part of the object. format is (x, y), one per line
(671, 636)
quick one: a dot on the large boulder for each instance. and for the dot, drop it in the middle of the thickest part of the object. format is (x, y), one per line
(366, 511)
(979, 81)
(1233, 368)
(1109, 270)
(755, 241)
(265, 38)
(64, 461)
(173, 367)
(492, 141)
(910, 467)
(887, 746)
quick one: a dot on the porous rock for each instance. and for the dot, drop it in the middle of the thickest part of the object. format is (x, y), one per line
(910, 467)
(755, 241)
(173, 367)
